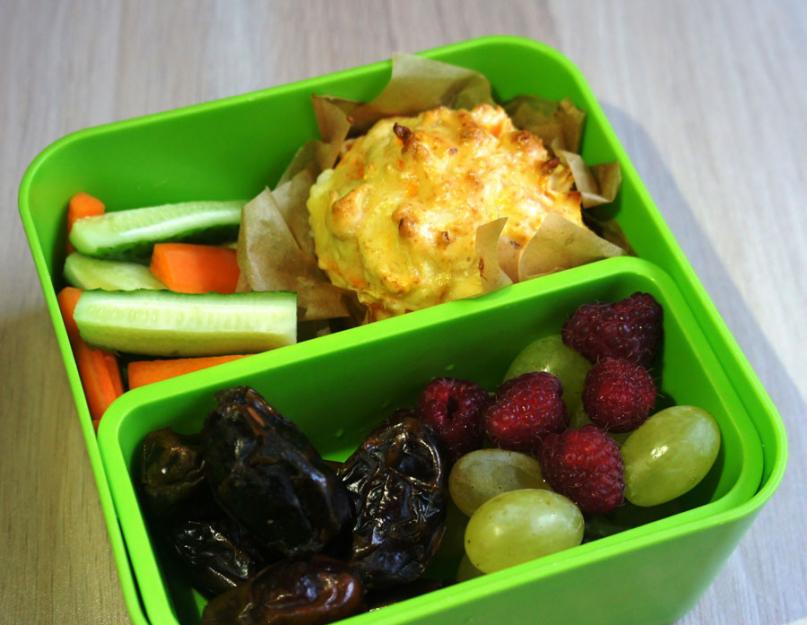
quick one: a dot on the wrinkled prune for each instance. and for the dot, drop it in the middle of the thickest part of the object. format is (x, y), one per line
(218, 554)
(214, 550)
(172, 471)
(290, 592)
(266, 474)
(397, 482)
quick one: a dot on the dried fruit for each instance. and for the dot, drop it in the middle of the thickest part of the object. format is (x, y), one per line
(618, 395)
(215, 550)
(171, 471)
(218, 554)
(525, 409)
(453, 409)
(586, 466)
(630, 329)
(290, 592)
(397, 482)
(266, 474)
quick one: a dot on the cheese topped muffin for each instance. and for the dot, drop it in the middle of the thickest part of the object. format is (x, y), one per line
(396, 219)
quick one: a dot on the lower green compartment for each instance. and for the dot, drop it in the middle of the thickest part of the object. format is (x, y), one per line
(336, 389)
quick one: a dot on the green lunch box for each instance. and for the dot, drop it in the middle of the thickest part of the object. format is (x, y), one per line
(339, 386)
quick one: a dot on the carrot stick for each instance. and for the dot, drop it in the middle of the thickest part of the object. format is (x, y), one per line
(82, 205)
(68, 298)
(189, 268)
(142, 372)
(100, 378)
(97, 368)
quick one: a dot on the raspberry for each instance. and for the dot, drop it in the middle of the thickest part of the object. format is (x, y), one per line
(453, 408)
(630, 329)
(586, 466)
(525, 409)
(618, 395)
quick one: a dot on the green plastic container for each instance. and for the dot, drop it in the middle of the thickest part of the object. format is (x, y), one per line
(234, 147)
(337, 405)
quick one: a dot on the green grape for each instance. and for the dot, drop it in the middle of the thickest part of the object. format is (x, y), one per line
(552, 355)
(467, 570)
(482, 474)
(669, 454)
(521, 525)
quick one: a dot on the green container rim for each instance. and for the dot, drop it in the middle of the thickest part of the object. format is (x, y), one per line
(745, 384)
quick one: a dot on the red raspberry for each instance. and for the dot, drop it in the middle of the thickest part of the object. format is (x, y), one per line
(525, 409)
(453, 408)
(618, 395)
(586, 466)
(630, 328)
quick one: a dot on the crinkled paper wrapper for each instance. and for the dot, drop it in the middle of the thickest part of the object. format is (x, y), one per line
(275, 246)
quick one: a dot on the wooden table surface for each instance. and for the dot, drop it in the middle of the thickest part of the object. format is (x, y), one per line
(707, 97)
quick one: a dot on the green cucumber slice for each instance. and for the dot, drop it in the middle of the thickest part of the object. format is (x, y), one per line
(130, 234)
(162, 323)
(109, 275)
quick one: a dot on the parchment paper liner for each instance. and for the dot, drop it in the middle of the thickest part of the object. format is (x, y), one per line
(275, 247)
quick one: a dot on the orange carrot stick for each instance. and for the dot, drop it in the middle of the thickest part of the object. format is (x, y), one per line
(190, 268)
(100, 378)
(142, 372)
(82, 205)
(68, 298)
(97, 368)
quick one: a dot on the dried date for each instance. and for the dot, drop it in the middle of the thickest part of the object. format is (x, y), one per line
(171, 471)
(218, 554)
(265, 473)
(291, 592)
(397, 483)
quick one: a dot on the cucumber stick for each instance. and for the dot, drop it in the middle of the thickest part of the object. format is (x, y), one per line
(162, 323)
(130, 234)
(109, 275)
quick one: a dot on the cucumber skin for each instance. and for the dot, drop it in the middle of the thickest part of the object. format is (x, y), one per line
(140, 251)
(110, 275)
(102, 322)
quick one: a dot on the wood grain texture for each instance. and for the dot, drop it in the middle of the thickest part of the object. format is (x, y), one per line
(708, 98)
